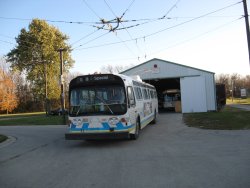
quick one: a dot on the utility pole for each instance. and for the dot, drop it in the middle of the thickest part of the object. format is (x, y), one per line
(232, 90)
(62, 84)
(247, 27)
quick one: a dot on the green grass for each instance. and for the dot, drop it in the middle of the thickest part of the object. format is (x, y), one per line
(227, 119)
(38, 118)
(21, 114)
(238, 101)
(2, 138)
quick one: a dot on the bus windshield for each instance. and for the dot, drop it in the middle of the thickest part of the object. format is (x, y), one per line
(98, 100)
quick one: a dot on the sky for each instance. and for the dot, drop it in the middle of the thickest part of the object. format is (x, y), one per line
(208, 35)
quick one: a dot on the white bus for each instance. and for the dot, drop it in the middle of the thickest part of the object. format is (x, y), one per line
(110, 106)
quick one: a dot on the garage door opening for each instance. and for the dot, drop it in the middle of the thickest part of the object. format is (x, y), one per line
(169, 95)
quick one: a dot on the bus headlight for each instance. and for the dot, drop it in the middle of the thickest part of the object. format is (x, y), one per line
(113, 121)
(77, 122)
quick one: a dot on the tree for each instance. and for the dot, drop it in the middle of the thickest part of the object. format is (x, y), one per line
(24, 94)
(8, 98)
(224, 79)
(114, 69)
(233, 83)
(36, 55)
(247, 81)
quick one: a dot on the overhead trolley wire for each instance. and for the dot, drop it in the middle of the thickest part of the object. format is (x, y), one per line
(7, 42)
(196, 18)
(132, 2)
(90, 41)
(162, 30)
(84, 37)
(174, 6)
(118, 22)
(94, 12)
(130, 5)
(133, 39)
(176, 44)
(49, 20)
(198, 36)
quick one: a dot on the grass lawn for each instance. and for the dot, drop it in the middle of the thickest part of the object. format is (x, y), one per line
(227, 119)
(2, 138)
(38, 118)
(238, 101)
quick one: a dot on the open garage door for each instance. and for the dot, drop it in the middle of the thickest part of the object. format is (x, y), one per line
(162, 86)
(193, 94)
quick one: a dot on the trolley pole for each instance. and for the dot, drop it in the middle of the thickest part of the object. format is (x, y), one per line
(247, 27)
(62, 84)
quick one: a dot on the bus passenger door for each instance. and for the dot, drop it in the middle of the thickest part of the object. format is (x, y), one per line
(131, 105)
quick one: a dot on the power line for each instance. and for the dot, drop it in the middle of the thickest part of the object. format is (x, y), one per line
(132, 2)
(134, 39)
(204, 15)
(118, 21)
(101, 22)
(7, 42)
(91, 9)
(109, 60)
(198, 36)
(160, 18)
(146, 21)
(91, 40)
(49, 20)
(168, 28)
(110, 8)
(24, 43)
(32, 43)
(28, 42)
(105, 44)
(176, 44)
(84, 37)
(7, 36)
(124, 43)
(76, 22)
(174, 6)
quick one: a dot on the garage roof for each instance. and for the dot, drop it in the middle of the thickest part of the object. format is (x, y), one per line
(158, 68)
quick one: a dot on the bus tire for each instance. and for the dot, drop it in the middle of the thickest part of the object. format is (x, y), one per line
(137, 130)
(155, 118)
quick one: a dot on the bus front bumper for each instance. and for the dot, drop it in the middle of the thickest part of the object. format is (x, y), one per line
(96, 136)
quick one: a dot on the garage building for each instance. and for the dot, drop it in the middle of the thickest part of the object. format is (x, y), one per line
(196, 87)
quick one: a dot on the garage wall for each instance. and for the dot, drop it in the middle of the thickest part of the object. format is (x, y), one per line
(193, 99)
(159, 69)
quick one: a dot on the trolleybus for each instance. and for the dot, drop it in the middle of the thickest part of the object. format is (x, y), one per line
(110, 106)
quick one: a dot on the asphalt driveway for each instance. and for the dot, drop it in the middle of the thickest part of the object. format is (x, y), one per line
(241, 106)
(168, 154)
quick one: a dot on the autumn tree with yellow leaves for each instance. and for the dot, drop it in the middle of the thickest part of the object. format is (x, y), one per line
(8, 98)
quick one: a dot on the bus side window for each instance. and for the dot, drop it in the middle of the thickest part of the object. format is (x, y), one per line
(131, 97)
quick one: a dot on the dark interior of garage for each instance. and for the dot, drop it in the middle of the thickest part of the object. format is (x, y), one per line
(163, 85)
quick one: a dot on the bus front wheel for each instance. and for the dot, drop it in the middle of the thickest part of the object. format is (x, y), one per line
(154, 120)
(137, 130)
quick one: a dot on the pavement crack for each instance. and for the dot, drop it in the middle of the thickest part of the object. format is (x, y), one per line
(29, 151)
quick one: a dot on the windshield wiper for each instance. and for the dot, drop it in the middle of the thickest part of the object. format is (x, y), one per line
(105, 104)
(77, 112)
